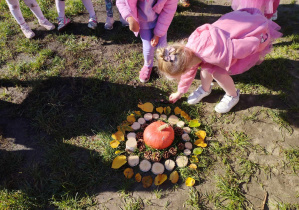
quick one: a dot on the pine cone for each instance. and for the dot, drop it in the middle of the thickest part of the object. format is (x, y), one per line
(181, 146)
(140, 142)
(139, 135)
(144, 126)
(141, 148)
(147, 155)
(178, 131)
(156, 157)
(166, 155)
(172, 151)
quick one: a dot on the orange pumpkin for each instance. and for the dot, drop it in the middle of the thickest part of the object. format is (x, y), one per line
(158, 135)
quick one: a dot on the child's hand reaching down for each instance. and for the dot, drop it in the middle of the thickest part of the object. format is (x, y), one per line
(133, 24)
(174, 97)
(155, 41)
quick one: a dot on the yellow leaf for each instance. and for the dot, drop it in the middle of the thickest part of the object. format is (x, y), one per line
(128, 172)
(114, 143)
(193, 166)
(125, 126)
(119, 135)
(174, 177)
(117, 152)
(138, 177)
(194, 159)
(185, 115)
(167, 110)
(131, 118)
(202, 145)
(147, 107)
(177, 110)
(201, 134)
(119, 161)
(147, 181)
(160, 178)
(199, 141)
(137, 113)
(160, 110)
(190, 182)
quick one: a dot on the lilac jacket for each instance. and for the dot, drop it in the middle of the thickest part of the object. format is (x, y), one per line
(165, 8)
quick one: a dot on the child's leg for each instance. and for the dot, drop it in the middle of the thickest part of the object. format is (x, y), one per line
(109, 8)
(14, 8)
(88, 5)
(35, 9)
(60, 6)
(206, 80)
(148, 51)
(225, 81)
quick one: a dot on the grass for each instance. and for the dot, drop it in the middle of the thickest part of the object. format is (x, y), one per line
(77, 88)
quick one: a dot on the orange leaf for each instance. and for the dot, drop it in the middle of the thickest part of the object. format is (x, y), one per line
(185, 115)
(160, 110)
(201, 134)
(119, 161)
(128, 172)
(138, 177)
(193, 166)
(137, 113)
(174, 177)
(160, 178)
(190, 182)
(119, 135)
(131, 118)
(147, 107)
(177, 110)
(167, 110)
(147, 181)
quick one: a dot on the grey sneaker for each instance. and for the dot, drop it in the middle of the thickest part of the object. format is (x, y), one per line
(93, 22)
(27, 31)
(62, 23)
(227, 103)
(197, 95)
(109, 23)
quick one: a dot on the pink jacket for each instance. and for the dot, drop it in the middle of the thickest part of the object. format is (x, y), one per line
(235, 43)
(165, 8)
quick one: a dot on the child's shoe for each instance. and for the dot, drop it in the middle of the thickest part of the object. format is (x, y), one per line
(197, 95)
(63, 22)
(27, 31)
(227, 103)
(46, 24)
(109, 23)
(185, 3)
(145, 73)
(275, 16)
(124, 23)
(93, 22)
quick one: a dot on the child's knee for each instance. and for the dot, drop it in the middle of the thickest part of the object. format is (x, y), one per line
(31, 4)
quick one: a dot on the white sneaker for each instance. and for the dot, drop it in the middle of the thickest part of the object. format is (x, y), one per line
(92, 22)
(46, 24)
(227, 103)
(123, 21)
(109, 23)
(62, 23)
(197, 95)
(27, 31)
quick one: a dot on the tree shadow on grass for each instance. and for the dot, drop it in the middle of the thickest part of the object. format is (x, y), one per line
(60, 134)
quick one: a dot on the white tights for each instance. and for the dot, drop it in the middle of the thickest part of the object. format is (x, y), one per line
(60, 6)
(14, 8)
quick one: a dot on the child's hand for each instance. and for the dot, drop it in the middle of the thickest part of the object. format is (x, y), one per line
(133, 24)
(174, 97)
(155, 41)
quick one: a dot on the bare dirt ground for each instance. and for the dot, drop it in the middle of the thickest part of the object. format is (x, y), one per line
(276, 184)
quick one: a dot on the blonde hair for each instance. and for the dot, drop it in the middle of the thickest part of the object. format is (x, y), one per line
(181, 57)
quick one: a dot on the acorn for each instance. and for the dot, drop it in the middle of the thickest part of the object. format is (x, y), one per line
(173, 151)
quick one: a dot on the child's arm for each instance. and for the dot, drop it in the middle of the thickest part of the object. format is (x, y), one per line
(129, 13)
(133, 24)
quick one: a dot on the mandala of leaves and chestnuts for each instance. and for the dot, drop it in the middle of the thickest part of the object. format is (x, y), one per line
(131, 145)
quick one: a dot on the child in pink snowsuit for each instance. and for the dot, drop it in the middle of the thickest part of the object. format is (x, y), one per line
(232, 45)
(151, 19)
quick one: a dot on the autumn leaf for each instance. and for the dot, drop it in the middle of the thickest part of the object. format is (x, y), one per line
(197, 151)
(177, 110)
(125, 126)
(190, 182)
(119, 135)
(138, 113)
(194, 123)
(174, 177)
(167, 110)
(131, 118)
(147, 181)
(114, 143)
(185, 115)
(138, 177)
(193, 166)
(202, 145)
(194, 159)
(117, 152)
(160, 110)
(201, 134)
(119, 161)
(128, 172)
(147, 107)
(160, 178)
